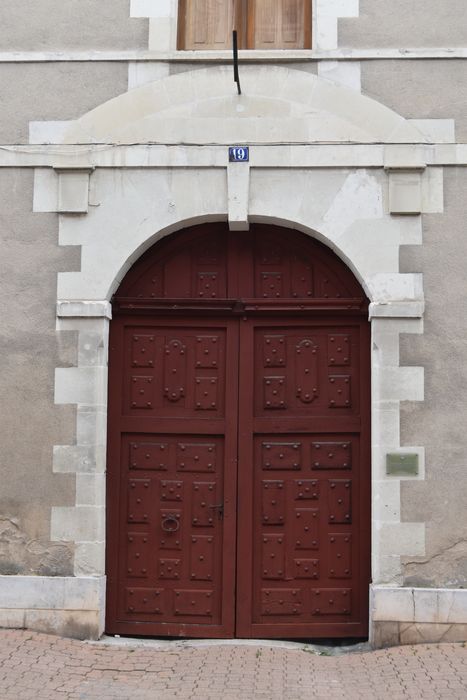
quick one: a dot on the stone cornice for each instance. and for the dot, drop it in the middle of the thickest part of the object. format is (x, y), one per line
(272, 56)
(216, 156)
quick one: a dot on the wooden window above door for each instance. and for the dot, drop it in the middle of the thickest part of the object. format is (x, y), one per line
(261, 24)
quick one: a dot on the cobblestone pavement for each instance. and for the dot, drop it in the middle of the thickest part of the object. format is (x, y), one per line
(39, 666)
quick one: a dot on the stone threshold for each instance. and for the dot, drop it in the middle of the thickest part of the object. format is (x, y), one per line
(338, 648)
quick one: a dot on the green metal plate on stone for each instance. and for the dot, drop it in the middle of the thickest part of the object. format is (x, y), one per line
(403, 464)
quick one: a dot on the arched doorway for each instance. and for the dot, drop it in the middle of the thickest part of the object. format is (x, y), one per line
(239, 439)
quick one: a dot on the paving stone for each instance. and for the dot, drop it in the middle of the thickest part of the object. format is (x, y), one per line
(42, 667)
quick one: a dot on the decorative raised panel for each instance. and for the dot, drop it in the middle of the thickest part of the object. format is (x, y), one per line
(238, 184)
(175, 371)
(405, 191)
(73, 190)
(405, 170)
(306, 370)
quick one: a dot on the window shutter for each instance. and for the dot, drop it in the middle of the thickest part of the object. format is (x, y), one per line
(262, 24)
(279, 24)
(206, 24)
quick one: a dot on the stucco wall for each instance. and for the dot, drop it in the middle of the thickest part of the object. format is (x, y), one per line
(31, 349)
(400, 23)
(440, 422)
(49, 25)
(421, 89)
(53, 91)
(30, 422)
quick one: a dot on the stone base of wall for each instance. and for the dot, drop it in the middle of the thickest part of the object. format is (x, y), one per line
(417, 615)
(77, 624)
(75, 607)
(67, 606)
(391, 634)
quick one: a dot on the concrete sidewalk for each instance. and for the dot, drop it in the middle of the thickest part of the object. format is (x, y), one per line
(39, 666)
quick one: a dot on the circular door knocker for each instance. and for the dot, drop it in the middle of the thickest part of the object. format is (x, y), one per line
(170, 523)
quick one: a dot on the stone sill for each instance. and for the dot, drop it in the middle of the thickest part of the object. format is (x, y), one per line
(397, 309)
(84, 309)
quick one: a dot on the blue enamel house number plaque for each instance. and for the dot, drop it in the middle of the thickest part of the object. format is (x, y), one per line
(239, 154)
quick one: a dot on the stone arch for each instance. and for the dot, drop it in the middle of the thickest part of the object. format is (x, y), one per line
(278, 105)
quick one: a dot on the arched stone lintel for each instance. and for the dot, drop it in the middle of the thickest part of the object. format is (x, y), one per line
(278, 105)
(343, 209)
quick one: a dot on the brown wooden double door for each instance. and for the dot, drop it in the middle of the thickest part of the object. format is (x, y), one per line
(239, 485)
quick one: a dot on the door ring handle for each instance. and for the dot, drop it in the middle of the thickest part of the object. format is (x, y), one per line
(166, 523)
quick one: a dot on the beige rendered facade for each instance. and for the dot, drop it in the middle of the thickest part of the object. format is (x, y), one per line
(112, 139)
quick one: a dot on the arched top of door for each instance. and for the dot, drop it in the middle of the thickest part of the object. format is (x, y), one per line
(210, 269)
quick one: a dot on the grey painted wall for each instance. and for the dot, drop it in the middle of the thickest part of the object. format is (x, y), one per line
(30, 259)
(53, 91)
(30, 423)
(48, 25)
(440, 423)
(406, 23)
(421, 89)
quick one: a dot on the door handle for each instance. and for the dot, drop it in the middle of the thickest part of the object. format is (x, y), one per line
(220, 509)
(170, 523)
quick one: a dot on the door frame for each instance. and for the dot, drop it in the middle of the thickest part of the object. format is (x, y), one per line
(85, 386)
(339, 312)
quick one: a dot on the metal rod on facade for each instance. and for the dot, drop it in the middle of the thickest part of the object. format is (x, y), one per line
(235, 61)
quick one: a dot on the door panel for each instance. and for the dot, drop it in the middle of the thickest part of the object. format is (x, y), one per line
(297, 372)
(173, 530)
(171, 570)
(175, 373)
(302, 487)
